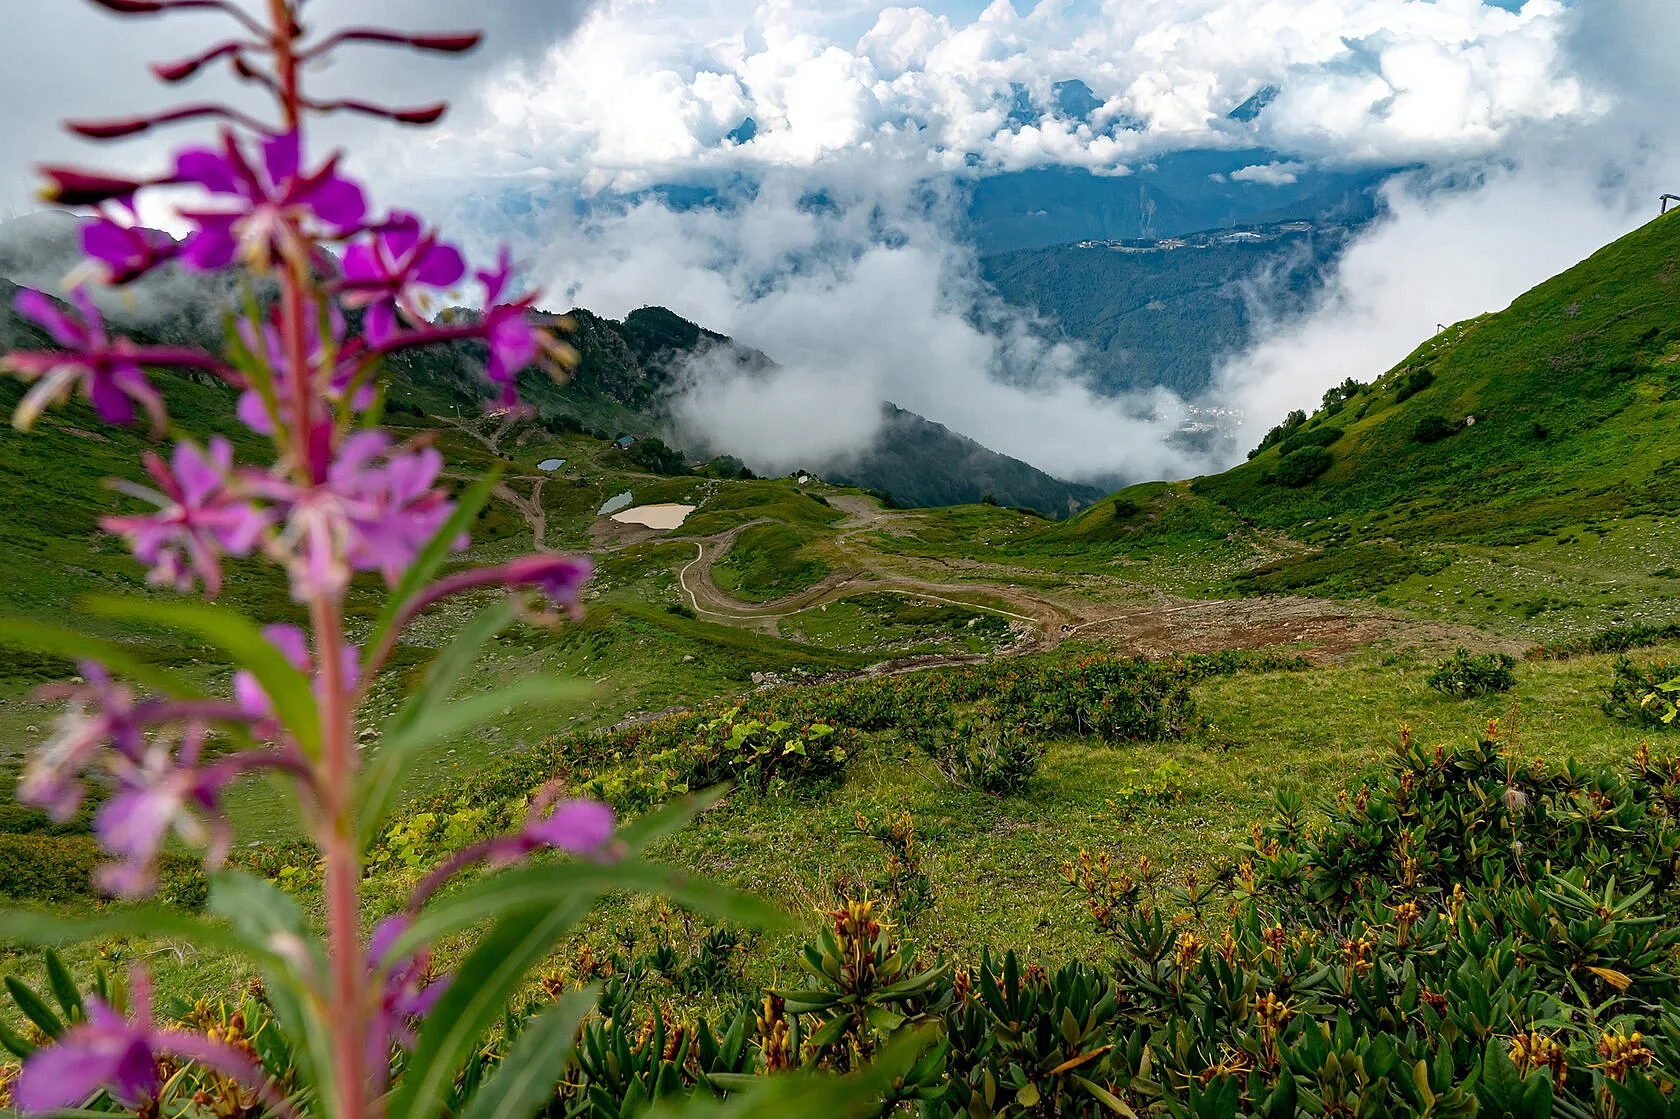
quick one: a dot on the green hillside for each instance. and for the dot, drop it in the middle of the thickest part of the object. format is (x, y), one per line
(1503, 428)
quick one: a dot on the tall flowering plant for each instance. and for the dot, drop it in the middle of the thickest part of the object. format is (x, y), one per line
(338, 496)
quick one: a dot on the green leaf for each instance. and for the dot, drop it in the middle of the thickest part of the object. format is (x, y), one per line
(34, 1007)
(119, 658)
(431, 557)
(548, 885)
(528, 1074)
(808, 1095)
(292, 958)
(399, 751)
(241, 639)
(669, 818)
(26, 927)
(64, 988)
(20, 1046)
(474, 1000)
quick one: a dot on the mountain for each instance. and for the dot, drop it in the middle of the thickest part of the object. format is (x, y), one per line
(925, 463)
(1177, 194)
(1162, 312)
(1563, 403)
(622, 385)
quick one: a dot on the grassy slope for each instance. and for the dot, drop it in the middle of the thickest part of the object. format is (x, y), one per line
(1589, 357)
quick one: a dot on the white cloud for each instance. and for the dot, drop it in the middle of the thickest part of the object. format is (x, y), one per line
(645, 90)
(1274, 173)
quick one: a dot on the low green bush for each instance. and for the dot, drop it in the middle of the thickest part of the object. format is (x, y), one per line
(1636, 692)
(1431, 429)
(1303, 466)
(1466, 675)
(984, 753)
(1312, 437)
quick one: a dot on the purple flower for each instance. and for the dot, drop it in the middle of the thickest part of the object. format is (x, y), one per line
(108, 371)
(374, 511)
(293, 643)
(199, 518)
(383, 274)
(558, 577)
(512, 340)
(581, 827)
(405, 994)
(253, 409)
(165, 792)
(274, 208)
(107, 1051)
(118, 1055)
(127, 250)
(99, 711)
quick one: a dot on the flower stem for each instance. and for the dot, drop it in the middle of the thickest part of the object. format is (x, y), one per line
(349, 999)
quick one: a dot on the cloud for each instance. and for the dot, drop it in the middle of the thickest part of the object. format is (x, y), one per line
(647, 90)
(69, 59)
(865, 296)
(1274, 173)
(1468, 239)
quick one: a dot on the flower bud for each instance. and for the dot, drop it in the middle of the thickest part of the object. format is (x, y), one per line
(67, 186)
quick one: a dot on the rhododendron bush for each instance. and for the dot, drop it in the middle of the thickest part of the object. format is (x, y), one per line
(360, 995)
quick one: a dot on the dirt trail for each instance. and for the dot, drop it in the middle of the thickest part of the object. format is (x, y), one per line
(531, 508)
(1323, 629)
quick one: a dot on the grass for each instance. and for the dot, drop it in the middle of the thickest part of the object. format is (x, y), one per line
(769, 561)
(994, 863)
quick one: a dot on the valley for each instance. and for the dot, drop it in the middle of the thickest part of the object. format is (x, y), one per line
(1269, 632)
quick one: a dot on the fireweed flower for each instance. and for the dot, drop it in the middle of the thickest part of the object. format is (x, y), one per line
(560, 578)
(119, 1055)
(268, 209)
(580, 827)
(100, 711)
(108, 371)
(388, 273)
(512, 340)
(253, 410)
(200, 517)
(293, 644)
(374, 511)
(407, 992)
(166, 791)
(125, 249)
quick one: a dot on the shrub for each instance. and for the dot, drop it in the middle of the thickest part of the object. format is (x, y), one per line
(985, 753)
(1431, 429)
(1125, 509)
(1413, 383)
(1465, 675)
(1636, 692)
(1312, 437)
(1303, 466)
(1616, 640)
(1294, 420)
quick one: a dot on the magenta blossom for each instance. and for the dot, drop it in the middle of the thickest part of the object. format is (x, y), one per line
(200, 517)
(407, 993)
(100, 711)
(388, 272)
(108, 371)
(293, 644)
(271, 209)
(125, 249)
(253, 410)
(561, 578)
(513, 342)
(581, 827)
(374, 511)
(118, 1055)
(166, 792)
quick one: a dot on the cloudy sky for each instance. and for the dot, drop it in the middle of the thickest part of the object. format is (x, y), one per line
(1556, 109)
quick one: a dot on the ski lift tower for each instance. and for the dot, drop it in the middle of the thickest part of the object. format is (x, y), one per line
(1667, 198)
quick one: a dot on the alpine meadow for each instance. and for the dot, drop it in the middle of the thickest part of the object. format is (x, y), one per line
(896, 568)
